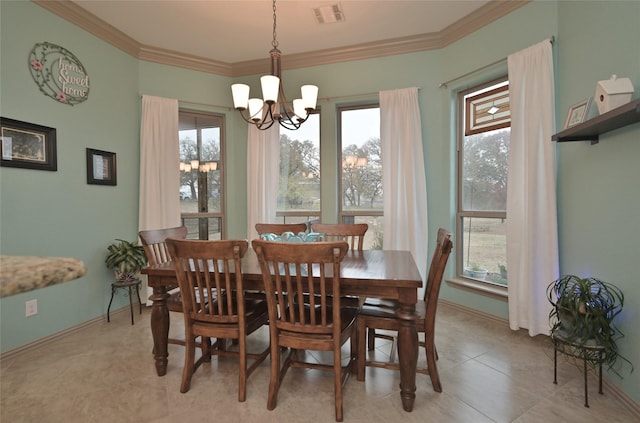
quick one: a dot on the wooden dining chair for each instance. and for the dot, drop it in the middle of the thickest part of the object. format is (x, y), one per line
(353, 233)
(212, 270)
(382, 316)
(305, 310)
(280, 228)
(155, 247)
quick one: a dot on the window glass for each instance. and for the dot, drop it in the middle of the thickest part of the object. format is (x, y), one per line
(201, 188)
(361, 170)
(299, 186)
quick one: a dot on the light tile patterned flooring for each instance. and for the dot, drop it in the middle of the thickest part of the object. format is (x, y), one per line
(105, 373)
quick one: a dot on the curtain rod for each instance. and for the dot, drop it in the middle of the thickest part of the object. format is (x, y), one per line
(444, 84)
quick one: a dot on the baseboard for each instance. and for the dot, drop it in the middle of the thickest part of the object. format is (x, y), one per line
(625, 399)
(474, 312)
(47, 339)
(615, 390)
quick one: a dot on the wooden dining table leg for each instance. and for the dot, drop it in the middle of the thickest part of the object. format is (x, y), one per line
(407, 354)
(160, 328)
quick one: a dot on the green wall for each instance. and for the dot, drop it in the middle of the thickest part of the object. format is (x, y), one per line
(57, 214)
(598, 194)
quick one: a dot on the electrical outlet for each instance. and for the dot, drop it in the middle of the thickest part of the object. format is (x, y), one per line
(31, 308)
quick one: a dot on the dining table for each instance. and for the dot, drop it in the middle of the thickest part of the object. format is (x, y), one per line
(369, 273)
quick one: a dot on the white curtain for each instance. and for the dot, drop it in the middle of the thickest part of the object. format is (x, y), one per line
(403, 178)
(159, 204)
(263, 172)
(532, 234)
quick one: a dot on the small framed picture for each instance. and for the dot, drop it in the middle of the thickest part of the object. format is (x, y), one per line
(27, 145)
(101, 167)
(577, 113)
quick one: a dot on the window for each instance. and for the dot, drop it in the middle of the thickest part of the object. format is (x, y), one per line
(361, 170)
(299, 186)
(484, 132)
(201, 137)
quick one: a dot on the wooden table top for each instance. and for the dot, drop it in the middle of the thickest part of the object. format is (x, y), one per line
(361, 271)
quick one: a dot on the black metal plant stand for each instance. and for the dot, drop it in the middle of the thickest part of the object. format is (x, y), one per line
(129, 285)
(587, 351)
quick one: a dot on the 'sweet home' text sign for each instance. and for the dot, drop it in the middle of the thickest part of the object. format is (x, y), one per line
(59, 74)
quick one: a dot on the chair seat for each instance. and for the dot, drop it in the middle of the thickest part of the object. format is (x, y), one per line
(387, 311)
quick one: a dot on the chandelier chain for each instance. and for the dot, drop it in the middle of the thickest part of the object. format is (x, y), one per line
(274, 43)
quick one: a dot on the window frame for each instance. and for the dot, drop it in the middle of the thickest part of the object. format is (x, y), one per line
(461, 213)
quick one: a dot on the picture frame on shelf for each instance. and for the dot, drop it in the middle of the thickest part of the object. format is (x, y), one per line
(101, 167)
(578, 113)
(27, 145)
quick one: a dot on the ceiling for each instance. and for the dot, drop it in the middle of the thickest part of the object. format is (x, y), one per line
(233, 37)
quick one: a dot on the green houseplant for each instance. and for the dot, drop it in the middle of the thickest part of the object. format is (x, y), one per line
(126, 259)
(583, 313)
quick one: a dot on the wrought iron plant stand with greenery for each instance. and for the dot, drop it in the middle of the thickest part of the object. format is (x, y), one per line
(582, 323)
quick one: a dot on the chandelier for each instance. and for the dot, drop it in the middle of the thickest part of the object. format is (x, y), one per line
(273, 106)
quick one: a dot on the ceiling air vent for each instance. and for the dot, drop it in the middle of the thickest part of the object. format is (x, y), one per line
(329, 14)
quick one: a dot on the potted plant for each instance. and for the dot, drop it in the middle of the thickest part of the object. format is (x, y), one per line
(477, 271)
(126, 259)
(503, 271)
(583, 313)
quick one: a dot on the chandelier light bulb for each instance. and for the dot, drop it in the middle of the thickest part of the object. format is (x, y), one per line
(298, 109)
(270, 88)
(255, 109)
(240, 94)
(309, 96)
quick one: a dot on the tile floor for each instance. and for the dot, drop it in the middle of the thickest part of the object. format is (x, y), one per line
(105, 373)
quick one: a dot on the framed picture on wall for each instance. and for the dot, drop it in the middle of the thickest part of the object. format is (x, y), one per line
(27, 145)
(101, 167)
(577, 113)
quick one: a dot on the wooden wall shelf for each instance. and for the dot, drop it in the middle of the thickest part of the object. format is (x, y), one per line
(592, 129)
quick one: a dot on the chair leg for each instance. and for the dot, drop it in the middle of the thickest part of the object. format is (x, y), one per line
(431, 365)
(371, 339)
(337, 382)
(189, 362)
(361, 353)
(274, 379)
(394, 348)
(242, 373)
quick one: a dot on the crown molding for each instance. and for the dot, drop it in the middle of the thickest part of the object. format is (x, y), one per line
(483, 16)
(92, 24)
(188, 61)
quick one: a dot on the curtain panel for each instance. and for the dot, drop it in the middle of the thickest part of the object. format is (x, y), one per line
(403, 177)
(532, 232)
(263, 173)
(159, 202)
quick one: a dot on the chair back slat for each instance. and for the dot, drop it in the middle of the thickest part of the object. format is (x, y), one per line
(302, 293)
(353, 233)
(210, 277)
(153, 242)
